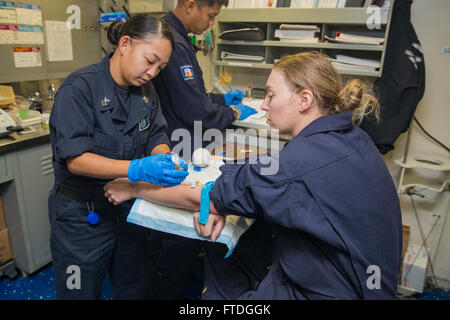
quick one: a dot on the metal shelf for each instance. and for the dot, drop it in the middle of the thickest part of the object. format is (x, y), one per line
(345, 16)
(270, 66)
(328, 18)
(244, 64)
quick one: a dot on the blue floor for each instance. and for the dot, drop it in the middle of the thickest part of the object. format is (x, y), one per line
(38, 286)
(41, 286)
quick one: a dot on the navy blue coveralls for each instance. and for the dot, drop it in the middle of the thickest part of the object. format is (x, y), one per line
(335, 215)
(93, 114)
(184, 100)
(182, 90)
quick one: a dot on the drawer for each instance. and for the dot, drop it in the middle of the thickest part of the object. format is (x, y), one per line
(4, 176)
(6, 169)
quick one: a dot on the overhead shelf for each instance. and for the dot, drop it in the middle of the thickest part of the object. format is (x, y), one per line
(344, 16)
(329, 21)
(318, 45)
(270, 66)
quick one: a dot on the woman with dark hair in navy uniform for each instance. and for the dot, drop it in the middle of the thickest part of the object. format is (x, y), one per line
(105, 115)
(332, 203)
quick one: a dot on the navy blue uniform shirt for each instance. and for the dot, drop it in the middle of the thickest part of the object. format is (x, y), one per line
(93, 114)
(182, 90)
(335, 212)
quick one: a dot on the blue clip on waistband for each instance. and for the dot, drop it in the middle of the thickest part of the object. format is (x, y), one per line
(204, 202)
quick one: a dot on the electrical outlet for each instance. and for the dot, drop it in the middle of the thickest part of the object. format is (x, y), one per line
(445, 50)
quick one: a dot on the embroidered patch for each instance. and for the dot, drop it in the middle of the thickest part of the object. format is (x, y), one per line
(187, 73)
(144, 123)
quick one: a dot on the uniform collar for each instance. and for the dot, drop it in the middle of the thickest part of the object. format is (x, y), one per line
(175, 23)
(334, 122)
(107, 99)
(138, 109)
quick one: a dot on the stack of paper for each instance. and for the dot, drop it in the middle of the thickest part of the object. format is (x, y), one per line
(252, 4)
(355, 64)
(297, 33)
(226, 55)
(355, 39)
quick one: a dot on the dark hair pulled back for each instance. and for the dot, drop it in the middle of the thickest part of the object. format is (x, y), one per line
(139, 27)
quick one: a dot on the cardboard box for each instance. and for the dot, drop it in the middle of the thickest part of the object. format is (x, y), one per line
(414, 268)
(2, 216)
(7, 96)
(5, 247)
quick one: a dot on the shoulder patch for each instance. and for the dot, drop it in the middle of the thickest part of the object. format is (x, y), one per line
(187, 72)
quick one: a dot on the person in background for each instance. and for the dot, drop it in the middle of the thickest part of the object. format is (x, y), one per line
(184, 100)
(332, 202)
(107, 123)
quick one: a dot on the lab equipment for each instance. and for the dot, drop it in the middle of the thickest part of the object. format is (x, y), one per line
(248, 92)
(46, 120)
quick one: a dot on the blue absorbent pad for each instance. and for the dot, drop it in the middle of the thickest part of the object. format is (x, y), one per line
(181, 222)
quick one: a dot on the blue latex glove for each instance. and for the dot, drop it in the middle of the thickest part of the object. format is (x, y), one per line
(246, 111)
(179, 161)
(158, 169)
(233, 95)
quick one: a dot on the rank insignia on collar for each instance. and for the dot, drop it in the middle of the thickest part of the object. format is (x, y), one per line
(105, 102)
(145, 99)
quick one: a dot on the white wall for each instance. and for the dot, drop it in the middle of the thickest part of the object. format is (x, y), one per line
(432, 25)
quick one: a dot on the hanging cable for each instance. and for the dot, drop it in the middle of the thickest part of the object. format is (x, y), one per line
(430, 136)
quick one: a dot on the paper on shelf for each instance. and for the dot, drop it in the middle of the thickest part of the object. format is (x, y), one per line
(300, 40)
(283, 33)
(225, 55)
(355, 39)
(375, 64)
(288, 26)
(237, 30)
(350, 67)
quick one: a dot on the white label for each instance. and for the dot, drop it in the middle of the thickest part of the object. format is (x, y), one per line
(445, 50)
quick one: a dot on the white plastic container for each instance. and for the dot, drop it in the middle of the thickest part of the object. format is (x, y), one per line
(45, 120)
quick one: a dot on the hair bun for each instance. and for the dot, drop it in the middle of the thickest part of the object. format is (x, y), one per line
(351, 95)
(353, 98)
(114, 32)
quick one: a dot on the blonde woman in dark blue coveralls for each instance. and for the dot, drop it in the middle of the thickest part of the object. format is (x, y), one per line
(104, 116)
(332, 203)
